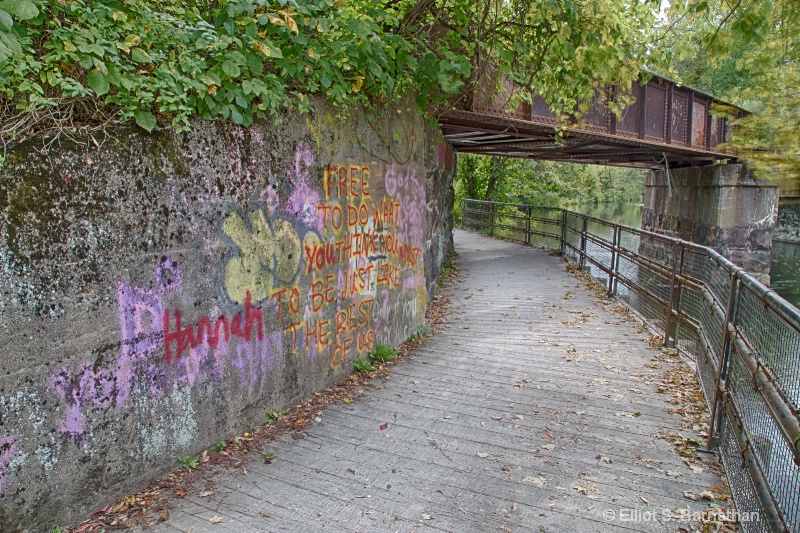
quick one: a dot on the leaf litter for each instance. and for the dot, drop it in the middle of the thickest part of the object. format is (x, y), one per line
(681, 382)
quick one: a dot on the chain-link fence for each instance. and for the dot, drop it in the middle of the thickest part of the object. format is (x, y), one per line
(744, 339)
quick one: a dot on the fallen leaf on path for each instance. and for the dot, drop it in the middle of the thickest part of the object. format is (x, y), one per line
(580, 489)
(348, 400)
(215, 519)
(537, 481)
(384, 425)
(482, 455)
(205, 494)
(604, 459)
(644, 500)
(427, 517)
(549, 447)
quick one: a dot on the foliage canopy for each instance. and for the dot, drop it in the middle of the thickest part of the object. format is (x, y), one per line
(89, 63)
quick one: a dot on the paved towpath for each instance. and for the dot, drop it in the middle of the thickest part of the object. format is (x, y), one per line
(534, 410)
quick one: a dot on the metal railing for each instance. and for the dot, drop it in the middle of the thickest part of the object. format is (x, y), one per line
(743, 337)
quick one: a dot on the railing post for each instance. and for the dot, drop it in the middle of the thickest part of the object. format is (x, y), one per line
(722, 372)
(563, 231)
(585, 228)
(527, 224)
(616, 263)
(612, 271)
(463, 211)
(491, 218)
(677, 266)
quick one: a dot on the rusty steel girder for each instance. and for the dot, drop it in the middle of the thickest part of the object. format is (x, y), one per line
(668, 124)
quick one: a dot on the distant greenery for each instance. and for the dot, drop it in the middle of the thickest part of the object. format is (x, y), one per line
(526, 181)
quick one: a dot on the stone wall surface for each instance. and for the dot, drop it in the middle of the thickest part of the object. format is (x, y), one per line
(788, 226)
(161, 292)
(720, 206)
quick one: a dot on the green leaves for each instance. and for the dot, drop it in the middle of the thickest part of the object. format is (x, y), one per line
(20, 9)
(746, 53)
(231, 69)
(145, 120)
(246, 59)
(9, 46)
(6, 22)
(239, 60)
(10, 10)
(140, 56)
(98, 82)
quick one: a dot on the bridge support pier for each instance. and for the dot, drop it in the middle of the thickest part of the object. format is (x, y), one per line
(720, 206)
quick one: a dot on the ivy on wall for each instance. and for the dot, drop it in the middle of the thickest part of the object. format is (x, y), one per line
(80, 65)
(105, 61)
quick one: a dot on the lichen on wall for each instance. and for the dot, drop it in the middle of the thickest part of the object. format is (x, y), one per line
(163, 292)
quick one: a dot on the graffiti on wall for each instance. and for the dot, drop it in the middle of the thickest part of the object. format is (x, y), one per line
(324, 275)
(8, 445)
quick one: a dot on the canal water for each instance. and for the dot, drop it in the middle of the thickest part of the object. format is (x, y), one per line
(785, 268)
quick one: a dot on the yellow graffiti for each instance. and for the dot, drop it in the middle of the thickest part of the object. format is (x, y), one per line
(266, 256)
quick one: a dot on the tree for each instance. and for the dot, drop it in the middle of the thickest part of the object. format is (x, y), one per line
(747, 52)
(562, 49)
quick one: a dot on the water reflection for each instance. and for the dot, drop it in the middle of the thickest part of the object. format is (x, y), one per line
(785, 268)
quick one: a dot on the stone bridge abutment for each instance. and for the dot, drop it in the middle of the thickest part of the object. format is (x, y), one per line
(720, 206)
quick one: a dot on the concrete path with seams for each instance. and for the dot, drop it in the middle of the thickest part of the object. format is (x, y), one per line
(534, 410)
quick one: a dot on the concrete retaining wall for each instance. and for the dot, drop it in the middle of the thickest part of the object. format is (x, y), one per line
(160, 293)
